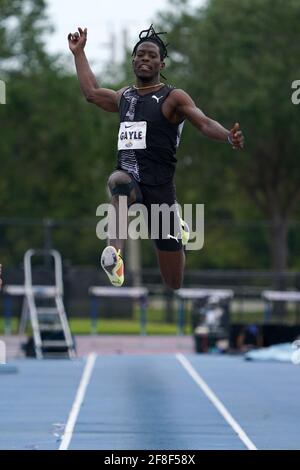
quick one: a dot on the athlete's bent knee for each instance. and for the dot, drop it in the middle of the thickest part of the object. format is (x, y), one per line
(121, 184)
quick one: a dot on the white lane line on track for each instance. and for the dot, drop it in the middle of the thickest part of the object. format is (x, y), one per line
(85, 379)
(215, 401)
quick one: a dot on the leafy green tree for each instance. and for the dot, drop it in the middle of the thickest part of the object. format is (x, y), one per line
(238, 60)
(23, 31)
(56, 150)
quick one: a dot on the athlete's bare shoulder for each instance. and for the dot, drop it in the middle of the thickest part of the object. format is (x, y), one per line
(175, 100)
(179, 97)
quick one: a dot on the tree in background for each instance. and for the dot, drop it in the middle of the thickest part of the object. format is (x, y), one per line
(56, 151)
(238, 60)
(23, 28)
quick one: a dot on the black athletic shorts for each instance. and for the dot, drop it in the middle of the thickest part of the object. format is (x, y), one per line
(159, 194)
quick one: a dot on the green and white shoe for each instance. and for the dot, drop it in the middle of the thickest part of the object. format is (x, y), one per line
(185, 232)
(112, 263)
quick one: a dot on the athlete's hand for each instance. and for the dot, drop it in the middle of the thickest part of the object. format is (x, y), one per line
(236, 137)
(77, 41)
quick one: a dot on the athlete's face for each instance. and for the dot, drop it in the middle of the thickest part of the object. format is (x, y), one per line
(147, 63)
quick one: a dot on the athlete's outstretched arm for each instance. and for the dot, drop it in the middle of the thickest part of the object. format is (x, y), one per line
(186, 108)
(102, 97)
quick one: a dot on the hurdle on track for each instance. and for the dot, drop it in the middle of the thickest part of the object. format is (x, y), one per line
(273, 296)
(137, 293)
(10, 291)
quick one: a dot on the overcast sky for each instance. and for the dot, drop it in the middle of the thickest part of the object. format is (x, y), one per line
(105, 21)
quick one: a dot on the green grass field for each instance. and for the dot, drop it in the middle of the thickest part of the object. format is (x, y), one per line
(110, 327)
(126, 327)
(155, 324)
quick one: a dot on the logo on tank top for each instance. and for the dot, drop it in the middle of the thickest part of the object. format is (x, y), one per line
(157, 98)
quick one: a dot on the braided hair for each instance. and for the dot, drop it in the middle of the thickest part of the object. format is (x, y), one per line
(152, 36)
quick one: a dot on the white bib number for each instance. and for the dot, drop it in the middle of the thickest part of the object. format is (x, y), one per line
(132, 135)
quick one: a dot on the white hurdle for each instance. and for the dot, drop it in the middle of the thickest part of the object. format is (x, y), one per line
(273, 296)
(137, 293)
(14, 290)
(10, 291)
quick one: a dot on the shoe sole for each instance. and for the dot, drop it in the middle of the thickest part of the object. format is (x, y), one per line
(109, 268)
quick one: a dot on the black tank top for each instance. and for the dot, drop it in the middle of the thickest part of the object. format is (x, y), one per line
(147, 141)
